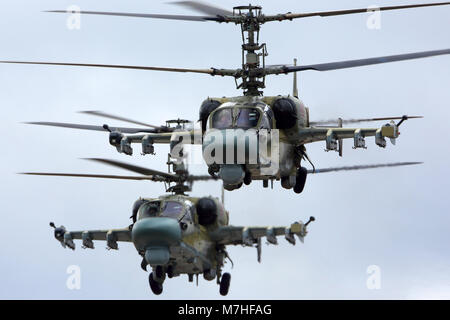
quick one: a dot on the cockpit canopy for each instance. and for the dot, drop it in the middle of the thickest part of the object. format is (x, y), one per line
(159, 208)
(239, 117)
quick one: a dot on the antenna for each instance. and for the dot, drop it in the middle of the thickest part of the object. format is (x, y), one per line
(295, 88)
(223, 194)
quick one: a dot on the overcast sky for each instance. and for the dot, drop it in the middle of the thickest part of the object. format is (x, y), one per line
(397, 219)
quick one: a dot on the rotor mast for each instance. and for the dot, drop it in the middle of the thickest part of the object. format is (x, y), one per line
(253, 53)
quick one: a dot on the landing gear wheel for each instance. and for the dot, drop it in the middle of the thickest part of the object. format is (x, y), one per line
(300, 180)
(144, 264)
(265, 183)
(170, 272)
(159, 272)
(225, 284)
(286, 182)
(157, 288)
(247, 178)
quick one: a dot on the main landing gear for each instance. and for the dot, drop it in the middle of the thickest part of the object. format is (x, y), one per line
(300, 180)
(157, 287)
(225, 284)
(156, 279)
(296, 182)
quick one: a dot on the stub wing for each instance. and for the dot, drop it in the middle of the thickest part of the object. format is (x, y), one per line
(153, 134)
(248, 236)
(111, 236)
(331, 135)
(184, 136)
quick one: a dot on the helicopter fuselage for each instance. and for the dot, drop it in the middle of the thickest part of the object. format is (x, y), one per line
(171, 233)
(253, 138)
(177, 234)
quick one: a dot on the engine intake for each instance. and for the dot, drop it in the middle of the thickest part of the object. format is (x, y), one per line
(206, 211)
(137, 204)
(206, 108)
(285, 113)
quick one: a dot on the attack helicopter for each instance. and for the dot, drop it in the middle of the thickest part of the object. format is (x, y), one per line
(177, 234)
(228, 121)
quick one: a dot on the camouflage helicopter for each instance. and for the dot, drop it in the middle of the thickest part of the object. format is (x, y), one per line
(174, 233)
(230, 121)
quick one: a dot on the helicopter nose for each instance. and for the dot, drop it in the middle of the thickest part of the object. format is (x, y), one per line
(154, 236)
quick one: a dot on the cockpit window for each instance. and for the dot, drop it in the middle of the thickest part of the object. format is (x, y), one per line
(269, 116)
(222, 119)
(149, 209)
(172, 209)
(244, 118)
(247, 118)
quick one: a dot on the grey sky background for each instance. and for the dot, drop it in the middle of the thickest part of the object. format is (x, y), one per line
(395, 218)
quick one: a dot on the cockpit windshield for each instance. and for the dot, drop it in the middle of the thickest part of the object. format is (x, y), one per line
(247, 118)
(172, 209)
(223, 119)
(149, 209)
(169, 209)
(244, 118)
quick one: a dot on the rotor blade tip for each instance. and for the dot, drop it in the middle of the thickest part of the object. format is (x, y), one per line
(91, 159)
(87, 111)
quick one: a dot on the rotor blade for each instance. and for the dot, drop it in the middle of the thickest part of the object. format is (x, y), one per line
(110, 116)
(142, 15)
(206, 71)
(364, 62)
(104, 176)
(200, 178)
(204, 8)
(91, 127)
(134, 168)
(360, 167)
(348, 121)
(290, 16)
(210, 71)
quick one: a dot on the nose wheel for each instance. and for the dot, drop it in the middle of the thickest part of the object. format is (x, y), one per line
(157, 288)
(225, 284)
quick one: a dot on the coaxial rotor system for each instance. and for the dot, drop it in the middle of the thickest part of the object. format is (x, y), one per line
(180, 177)
(250, 18)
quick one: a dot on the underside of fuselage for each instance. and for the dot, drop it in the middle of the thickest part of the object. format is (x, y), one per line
(185, 259)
